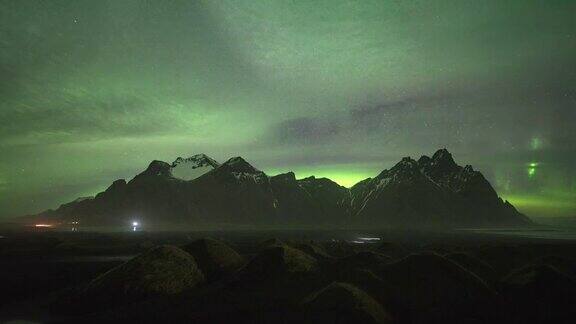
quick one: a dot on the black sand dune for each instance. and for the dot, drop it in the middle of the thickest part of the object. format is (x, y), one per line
(300, 281)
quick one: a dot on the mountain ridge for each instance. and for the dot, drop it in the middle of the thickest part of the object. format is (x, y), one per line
(430, 191)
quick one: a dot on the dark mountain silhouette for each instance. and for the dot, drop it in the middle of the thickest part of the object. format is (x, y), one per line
(198, 191)
(430, 191)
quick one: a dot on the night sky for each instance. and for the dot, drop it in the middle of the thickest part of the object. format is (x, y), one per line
(92, 91)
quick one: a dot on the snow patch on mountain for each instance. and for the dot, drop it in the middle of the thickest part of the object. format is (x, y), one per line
(257, 178)
(193, 167)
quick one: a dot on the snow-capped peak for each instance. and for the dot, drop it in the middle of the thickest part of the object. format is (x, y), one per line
(192, 167)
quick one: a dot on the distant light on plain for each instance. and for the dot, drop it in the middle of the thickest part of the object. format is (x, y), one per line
(42, 225)
(532, 169)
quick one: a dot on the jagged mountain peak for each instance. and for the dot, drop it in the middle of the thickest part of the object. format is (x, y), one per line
(182, 168)
(310, 178)
(442, 153)
(443, 159)
(406, 163)
(288, 177)
(193, 167)
(406, 166)
(318, 181)
(197, 159)
(406, 171)
(158, 168)
(116, 185)
(238, 164)
(424, 160)
(441, 167)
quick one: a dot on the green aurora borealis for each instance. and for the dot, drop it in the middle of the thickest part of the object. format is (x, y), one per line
(92, 91)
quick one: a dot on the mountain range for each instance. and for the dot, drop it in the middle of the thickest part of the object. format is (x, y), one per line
(198, 192)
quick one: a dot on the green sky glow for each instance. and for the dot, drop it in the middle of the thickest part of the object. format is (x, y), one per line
(345, 175)
(91, 91)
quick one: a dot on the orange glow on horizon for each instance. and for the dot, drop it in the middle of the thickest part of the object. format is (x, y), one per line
(42, 225)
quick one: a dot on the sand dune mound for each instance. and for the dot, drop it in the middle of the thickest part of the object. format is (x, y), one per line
(475, 265)
(363, 260)
(540, 294)
(278, 261)
(431, 286)
(270, 243)
(503, 258)
(341, 248)
(344, 303)
(392, 250)
(163, 270)
(214, 258)
(313, 250)
(564, 265)
(375, 286)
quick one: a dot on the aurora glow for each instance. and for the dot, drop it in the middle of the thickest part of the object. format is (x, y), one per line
(92, 91)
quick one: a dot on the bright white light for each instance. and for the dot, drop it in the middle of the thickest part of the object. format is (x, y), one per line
(43, 225)
(135, 224)
(369, 238)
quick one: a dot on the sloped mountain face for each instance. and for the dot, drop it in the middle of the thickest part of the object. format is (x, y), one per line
(309, 200)
(475, 200)
(233, 193)
(198, 191)
(431, 191)
(330, 197)
(402, 195)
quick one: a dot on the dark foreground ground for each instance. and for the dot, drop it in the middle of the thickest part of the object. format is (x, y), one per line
(286, 277)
